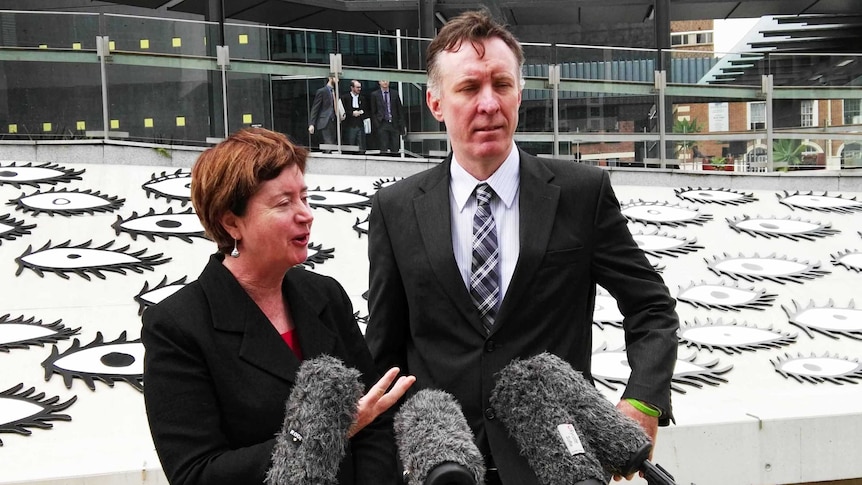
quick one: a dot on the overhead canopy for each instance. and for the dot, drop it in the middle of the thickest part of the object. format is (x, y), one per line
(388, 15)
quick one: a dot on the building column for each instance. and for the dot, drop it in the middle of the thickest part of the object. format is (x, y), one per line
(215, 13)
(426, 19)
(661, 13)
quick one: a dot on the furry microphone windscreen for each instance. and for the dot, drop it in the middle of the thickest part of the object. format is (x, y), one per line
(318, 414)
(615, 438)
(534, 412)
(430, 431)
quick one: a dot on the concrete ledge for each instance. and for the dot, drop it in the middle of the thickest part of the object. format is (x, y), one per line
(130, 153)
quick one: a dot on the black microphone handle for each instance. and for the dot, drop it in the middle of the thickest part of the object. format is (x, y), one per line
(654, 474)
(450, 473)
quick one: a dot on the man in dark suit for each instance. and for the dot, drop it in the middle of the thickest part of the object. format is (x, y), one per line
(550, 233)
(321, 119)
(387, 114)
(356, 112)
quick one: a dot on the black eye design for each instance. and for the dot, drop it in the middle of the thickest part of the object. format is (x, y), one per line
(20, 410)
(344, 199)
(11, 228)
(663, 213)
(656, 263)
(773, 227)
(182, 225)
(362, 321)
(690, 373)
(662, 244)
(731, 338)
(829, 320)
(379, 184)
(720, 296)
(149, 297)
(719, 196)
(817, 370)
(317, 255)
(822, 203)
(82, 259)
(361, 226)
(606, 310)
(30, 175)
(120, 360)
(611, 368)
(772, 268)
(66, 202)
(18, 333)
(175, 186)
(851, 260)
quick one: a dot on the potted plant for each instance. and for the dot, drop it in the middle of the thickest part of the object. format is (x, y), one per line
(786, 154)
(718, 163)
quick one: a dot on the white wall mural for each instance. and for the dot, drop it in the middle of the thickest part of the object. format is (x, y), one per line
(766, 283)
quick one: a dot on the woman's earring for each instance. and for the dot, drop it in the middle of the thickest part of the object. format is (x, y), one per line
(235, 252)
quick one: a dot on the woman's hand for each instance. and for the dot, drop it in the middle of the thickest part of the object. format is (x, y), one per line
(378, 400)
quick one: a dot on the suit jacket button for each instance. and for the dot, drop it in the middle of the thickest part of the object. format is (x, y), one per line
(490, 346)
(490, 414)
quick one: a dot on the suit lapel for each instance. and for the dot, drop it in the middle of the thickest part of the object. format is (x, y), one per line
(432, 207)
(538, 200)
(306, 306)
(233, 311)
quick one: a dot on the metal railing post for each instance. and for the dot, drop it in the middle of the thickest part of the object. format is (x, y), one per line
(103, 51)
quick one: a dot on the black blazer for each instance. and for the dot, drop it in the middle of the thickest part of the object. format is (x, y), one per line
(217, 375)
(322, 109)
(572, 237)
(378, 108)
(349, 119)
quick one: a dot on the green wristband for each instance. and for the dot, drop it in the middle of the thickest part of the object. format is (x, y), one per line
(644, 408)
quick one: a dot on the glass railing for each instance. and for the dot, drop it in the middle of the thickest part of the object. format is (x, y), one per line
(165, 82)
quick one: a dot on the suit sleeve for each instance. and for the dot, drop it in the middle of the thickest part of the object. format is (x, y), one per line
(650, 322)
(387, 332)
(365, 105)
(375, 108)
(315, 108)
(183, 410)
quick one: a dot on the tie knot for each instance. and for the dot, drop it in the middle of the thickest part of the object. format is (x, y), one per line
(484, 193)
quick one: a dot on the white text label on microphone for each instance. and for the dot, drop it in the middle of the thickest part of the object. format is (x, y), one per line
(571, 439)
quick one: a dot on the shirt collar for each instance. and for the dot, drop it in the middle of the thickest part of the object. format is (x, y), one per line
(504, 180)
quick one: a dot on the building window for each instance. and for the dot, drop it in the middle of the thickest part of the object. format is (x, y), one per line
(808, 113)
(853, 112)
(691, 38)
(757, 115)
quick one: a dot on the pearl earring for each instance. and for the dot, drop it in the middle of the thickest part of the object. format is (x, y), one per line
(235, 252)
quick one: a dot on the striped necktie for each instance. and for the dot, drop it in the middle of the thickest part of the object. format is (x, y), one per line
(485, 272)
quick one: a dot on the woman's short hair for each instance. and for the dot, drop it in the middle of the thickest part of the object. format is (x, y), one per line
(474, 27)
(225, 176)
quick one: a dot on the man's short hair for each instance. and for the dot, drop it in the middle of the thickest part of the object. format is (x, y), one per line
(474, 27)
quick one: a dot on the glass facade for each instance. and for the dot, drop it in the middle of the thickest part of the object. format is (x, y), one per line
(168, 81)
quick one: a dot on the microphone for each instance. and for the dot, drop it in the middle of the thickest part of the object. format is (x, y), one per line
(435, 443)
(618, 442)
(531, 408)
(318, 414)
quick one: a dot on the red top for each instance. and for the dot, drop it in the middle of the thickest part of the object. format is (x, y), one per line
(292, 341)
